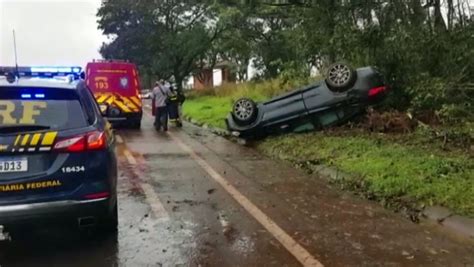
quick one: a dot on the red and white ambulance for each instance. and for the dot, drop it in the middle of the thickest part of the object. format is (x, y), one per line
(116, 87)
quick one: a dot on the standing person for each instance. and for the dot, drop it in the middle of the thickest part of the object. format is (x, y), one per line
(181, 99)
(160, 98)
(173, 107)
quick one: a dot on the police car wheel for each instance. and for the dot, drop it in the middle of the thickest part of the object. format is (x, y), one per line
(244, 111)
(110, 223)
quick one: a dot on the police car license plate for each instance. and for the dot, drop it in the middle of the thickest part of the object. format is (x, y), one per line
(13, 165)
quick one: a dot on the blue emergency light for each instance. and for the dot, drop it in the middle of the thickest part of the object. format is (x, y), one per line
(65, 70)
(32, 96)
(73, 72)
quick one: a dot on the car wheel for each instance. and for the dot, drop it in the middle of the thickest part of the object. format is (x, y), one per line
(110, 223)
(114, 112)
(244, 111)
(136, 125)
(340, 77)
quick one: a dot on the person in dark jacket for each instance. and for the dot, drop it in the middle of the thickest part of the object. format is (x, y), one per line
(176, 99)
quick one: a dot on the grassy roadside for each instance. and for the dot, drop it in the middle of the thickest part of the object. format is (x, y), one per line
(410, 170)
(207, 109)
(392, 171)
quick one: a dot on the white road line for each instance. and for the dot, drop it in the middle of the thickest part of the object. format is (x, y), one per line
(300, 253)
(156, 206)
(119, 139)
(151, 196)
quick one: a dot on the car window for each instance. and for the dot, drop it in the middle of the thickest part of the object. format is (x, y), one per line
(93, 99)
(330, 117)
(58, 109)
(89, 106)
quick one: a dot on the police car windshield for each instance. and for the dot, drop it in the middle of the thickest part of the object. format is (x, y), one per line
(30, 109)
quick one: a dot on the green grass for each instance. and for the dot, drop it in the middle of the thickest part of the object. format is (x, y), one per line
(208, 109)
(398, 170)
(388, 171)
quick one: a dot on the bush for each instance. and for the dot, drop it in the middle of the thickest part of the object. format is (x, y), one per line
(453, 103)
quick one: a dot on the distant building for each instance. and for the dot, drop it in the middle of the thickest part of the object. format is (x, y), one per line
(220, 74)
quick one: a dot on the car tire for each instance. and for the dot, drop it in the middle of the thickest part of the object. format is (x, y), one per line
(113, 112)
(340, 77)
(136, 125)
(110, 223)
(244, 111)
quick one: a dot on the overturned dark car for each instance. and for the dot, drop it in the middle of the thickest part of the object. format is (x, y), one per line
(344, 94)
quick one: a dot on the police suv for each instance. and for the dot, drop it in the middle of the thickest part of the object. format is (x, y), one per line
(57, 152)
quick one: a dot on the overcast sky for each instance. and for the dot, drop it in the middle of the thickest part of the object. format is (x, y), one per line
(50, 32)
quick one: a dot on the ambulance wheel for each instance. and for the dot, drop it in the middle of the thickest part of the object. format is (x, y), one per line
(136, 125)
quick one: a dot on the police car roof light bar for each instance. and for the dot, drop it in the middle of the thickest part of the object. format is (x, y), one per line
(43, 71)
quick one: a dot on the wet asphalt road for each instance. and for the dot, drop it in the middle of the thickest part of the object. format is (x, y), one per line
(189, 198)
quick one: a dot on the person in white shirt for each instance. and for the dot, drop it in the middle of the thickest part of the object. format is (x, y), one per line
(161, 94)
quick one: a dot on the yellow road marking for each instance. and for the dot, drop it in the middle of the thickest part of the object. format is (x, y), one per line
(129, 157)
(300, 253)
(119, 139)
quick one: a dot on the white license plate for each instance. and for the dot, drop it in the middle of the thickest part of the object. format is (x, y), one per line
(13, 165)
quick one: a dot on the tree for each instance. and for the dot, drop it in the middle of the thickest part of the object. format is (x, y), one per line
(164, 37)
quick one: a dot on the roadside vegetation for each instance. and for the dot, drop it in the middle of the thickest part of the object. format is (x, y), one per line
(402, 172)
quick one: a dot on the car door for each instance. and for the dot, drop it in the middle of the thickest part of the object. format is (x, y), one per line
(320, 98)
(284, 108)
